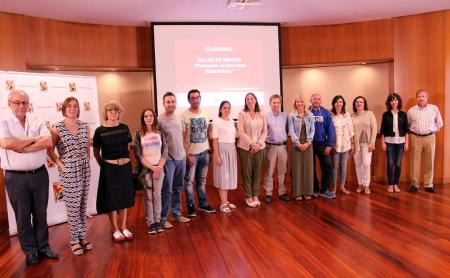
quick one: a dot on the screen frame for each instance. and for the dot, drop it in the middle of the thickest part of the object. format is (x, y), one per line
(152, 31)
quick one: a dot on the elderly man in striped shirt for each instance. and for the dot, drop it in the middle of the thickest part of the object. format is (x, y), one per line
(424, 121)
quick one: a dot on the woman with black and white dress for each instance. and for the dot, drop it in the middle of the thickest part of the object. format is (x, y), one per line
(71, 138)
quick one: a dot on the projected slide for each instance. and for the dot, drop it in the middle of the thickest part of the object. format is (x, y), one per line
(224, 62)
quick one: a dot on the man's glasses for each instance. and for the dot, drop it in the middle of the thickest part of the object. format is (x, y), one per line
(17, 103)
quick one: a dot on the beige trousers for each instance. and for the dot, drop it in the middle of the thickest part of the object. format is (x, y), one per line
(422, 148)
(275, 156)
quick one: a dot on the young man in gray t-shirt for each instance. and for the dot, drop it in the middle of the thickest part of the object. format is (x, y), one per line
(175, 167)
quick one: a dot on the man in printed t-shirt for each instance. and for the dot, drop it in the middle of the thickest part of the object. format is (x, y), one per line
(197, 153)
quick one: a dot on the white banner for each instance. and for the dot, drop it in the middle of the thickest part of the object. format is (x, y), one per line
(47, 93)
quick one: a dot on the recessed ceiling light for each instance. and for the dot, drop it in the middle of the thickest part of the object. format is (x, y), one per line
(242, 4)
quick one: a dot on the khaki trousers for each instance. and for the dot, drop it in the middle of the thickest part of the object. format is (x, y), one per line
(422, 148)
(275, 156)
(251, 170)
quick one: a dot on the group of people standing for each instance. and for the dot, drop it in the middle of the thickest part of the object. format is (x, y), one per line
(173, 155)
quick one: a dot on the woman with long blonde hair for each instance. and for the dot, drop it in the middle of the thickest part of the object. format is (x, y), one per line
(301, 130)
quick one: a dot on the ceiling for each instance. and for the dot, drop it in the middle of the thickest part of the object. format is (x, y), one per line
(289, 12)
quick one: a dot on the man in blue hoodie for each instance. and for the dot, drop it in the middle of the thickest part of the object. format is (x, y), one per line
(322, 144)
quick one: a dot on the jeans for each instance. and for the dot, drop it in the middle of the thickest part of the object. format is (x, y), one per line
(152, 198)
(175, 171)
(197, 173)
(325, 166)
(340, 161)
(394, 154)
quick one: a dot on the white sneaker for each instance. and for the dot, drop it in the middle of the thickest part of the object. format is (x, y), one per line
(250, 202)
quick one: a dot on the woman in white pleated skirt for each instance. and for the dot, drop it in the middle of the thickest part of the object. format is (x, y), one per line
(225, 159)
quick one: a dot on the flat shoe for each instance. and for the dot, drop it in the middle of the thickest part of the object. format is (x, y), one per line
(250, 203)
(86, 245)
(396, 189)
(77, 249)
(366, 190)
(128, 235)
(298, 198)
(231, 206)
(390, 189)
(118, 236)
(344, 191)
(224, 208)
(359, 189)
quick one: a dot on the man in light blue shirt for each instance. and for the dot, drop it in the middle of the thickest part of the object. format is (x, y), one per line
(276, 153)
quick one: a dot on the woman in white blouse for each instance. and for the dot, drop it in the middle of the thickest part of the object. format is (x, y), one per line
(343, 145)
(225, 161)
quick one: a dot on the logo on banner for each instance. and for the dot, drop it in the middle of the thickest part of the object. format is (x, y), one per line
(10, 86)
(59, 106)
(30, 108)
(57, 192)
(43, 86)
(72, 87)
(87, 106)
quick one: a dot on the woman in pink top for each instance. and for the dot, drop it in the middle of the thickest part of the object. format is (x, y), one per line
(151, 151)
(252, 130)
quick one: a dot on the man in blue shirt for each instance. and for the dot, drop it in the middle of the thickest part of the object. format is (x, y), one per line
(276, 149)
(322, 144)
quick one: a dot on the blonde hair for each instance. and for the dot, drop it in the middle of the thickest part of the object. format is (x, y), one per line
(111, 105)
(298, 97)
(422, 91)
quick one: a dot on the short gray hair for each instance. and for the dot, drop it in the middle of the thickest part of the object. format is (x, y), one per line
(16, 92)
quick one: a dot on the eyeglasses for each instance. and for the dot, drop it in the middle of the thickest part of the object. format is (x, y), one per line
(17, 103)
(113, 110)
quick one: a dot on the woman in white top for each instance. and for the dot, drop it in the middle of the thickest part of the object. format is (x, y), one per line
(225, 161)
(343, 144)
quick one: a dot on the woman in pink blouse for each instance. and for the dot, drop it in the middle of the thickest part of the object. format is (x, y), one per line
(252, 130)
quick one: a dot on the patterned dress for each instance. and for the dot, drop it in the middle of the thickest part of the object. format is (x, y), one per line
(72, 150)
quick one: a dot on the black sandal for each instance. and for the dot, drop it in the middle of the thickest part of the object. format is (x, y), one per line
(86, 245)
(77, 250)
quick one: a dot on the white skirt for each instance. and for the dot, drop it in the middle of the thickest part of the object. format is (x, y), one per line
(225, 176)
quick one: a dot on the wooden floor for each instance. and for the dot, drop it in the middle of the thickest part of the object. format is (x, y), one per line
(384, 235)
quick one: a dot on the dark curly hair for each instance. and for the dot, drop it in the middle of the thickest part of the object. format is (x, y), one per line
(390, 98)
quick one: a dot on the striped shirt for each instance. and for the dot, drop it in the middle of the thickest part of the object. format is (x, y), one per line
(424, 120)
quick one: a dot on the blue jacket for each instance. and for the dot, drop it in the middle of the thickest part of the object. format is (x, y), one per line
(295, 126)
(324, 127)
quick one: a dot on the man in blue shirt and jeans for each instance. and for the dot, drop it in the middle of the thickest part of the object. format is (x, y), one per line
(322, 144)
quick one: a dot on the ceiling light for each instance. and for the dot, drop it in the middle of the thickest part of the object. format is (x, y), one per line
(242, 4)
